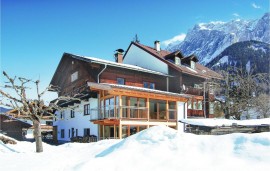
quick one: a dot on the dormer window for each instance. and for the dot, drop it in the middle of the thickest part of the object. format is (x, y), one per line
(177, 61)
(74, 76)
(192, 65)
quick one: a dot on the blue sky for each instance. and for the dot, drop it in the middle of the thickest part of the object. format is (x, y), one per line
(35, 33)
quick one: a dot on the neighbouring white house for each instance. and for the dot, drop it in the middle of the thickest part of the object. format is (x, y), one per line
(75, 121)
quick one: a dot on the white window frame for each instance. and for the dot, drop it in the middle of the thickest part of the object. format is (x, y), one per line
(177, 61)
(192, 65)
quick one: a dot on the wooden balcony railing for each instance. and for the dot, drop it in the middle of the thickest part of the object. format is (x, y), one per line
(113, 112)
(194, 91)
(129, 112)
(195, 113)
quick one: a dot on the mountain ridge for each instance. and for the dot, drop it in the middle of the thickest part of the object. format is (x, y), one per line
(251, 54)
(208, 40)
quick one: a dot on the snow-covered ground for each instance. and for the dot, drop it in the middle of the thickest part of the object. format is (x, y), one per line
(212, 122)
(157, 148)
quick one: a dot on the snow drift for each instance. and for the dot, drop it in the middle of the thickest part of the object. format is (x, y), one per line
(157, 148)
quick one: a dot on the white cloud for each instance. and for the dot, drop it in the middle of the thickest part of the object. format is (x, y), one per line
(175, 39)
(255, 6)
(236, 15)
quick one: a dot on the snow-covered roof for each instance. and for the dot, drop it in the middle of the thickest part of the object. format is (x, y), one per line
(120, 65)
(213, 122)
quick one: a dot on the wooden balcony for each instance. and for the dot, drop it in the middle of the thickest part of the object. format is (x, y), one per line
(193, 91)
(195, 113)
(119, 112)
(112, 112)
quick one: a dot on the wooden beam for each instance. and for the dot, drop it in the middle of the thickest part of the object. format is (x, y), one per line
(133, 93)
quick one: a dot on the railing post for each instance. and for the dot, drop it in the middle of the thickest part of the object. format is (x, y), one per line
(148, 109)
(120, 107)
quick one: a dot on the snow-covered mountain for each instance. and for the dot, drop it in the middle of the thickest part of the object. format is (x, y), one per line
(252, 54)
(208, 40)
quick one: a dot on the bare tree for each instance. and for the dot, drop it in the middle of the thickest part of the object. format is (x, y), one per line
(32, 109)
(263, 105)
(240, 88)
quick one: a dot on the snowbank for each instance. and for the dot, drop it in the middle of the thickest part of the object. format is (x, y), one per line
(157, 148)
(226, 122)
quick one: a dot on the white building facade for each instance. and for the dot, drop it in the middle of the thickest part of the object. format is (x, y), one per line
(75, 121)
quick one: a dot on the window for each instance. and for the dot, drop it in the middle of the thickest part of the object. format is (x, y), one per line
(62, 133)
(145, 84)
(74, 76)
(157, 109)
(172, 110)
(134, 107)
(199, 105)
(49, 123)
(109, 107)
(72, 132)
(177, 61)
(86, 132)
(190, 104)
(121, 81)
(149, 85)
(62, 115)
(152, 86)
(192, 64)
(72, 114)
(195, 105)
(86, 109)
(198, 86)
(76, 132)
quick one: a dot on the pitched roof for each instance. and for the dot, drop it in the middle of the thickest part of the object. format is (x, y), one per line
(115, 64)
(200, 71)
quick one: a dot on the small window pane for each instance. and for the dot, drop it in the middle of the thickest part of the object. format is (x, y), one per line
(189, 104)
(199, 105)
(74, 76)
(152, 86)
(192, 64)
(121, 81)
(145, 84)
(87, 109)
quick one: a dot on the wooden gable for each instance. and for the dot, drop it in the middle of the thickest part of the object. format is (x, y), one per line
(83, 71)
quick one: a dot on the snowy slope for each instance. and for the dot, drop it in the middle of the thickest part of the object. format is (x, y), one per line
(207, 40)
(158, 148)
(249, 54)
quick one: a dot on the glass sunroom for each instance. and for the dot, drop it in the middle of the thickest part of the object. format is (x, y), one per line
(123, 111)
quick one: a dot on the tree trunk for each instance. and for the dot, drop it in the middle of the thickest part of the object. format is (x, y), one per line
(37, 135)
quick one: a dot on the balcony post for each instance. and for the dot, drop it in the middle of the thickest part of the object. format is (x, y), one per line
(204, 104)
(120, 107)
(120, 130)
(148, 109)
(167, 110)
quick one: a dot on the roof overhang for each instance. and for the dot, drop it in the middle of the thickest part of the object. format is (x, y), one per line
(115, 89)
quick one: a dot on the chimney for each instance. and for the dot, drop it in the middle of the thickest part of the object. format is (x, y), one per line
(119, 55)
(157, 45)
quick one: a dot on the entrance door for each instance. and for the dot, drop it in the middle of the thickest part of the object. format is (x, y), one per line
(55, 138)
